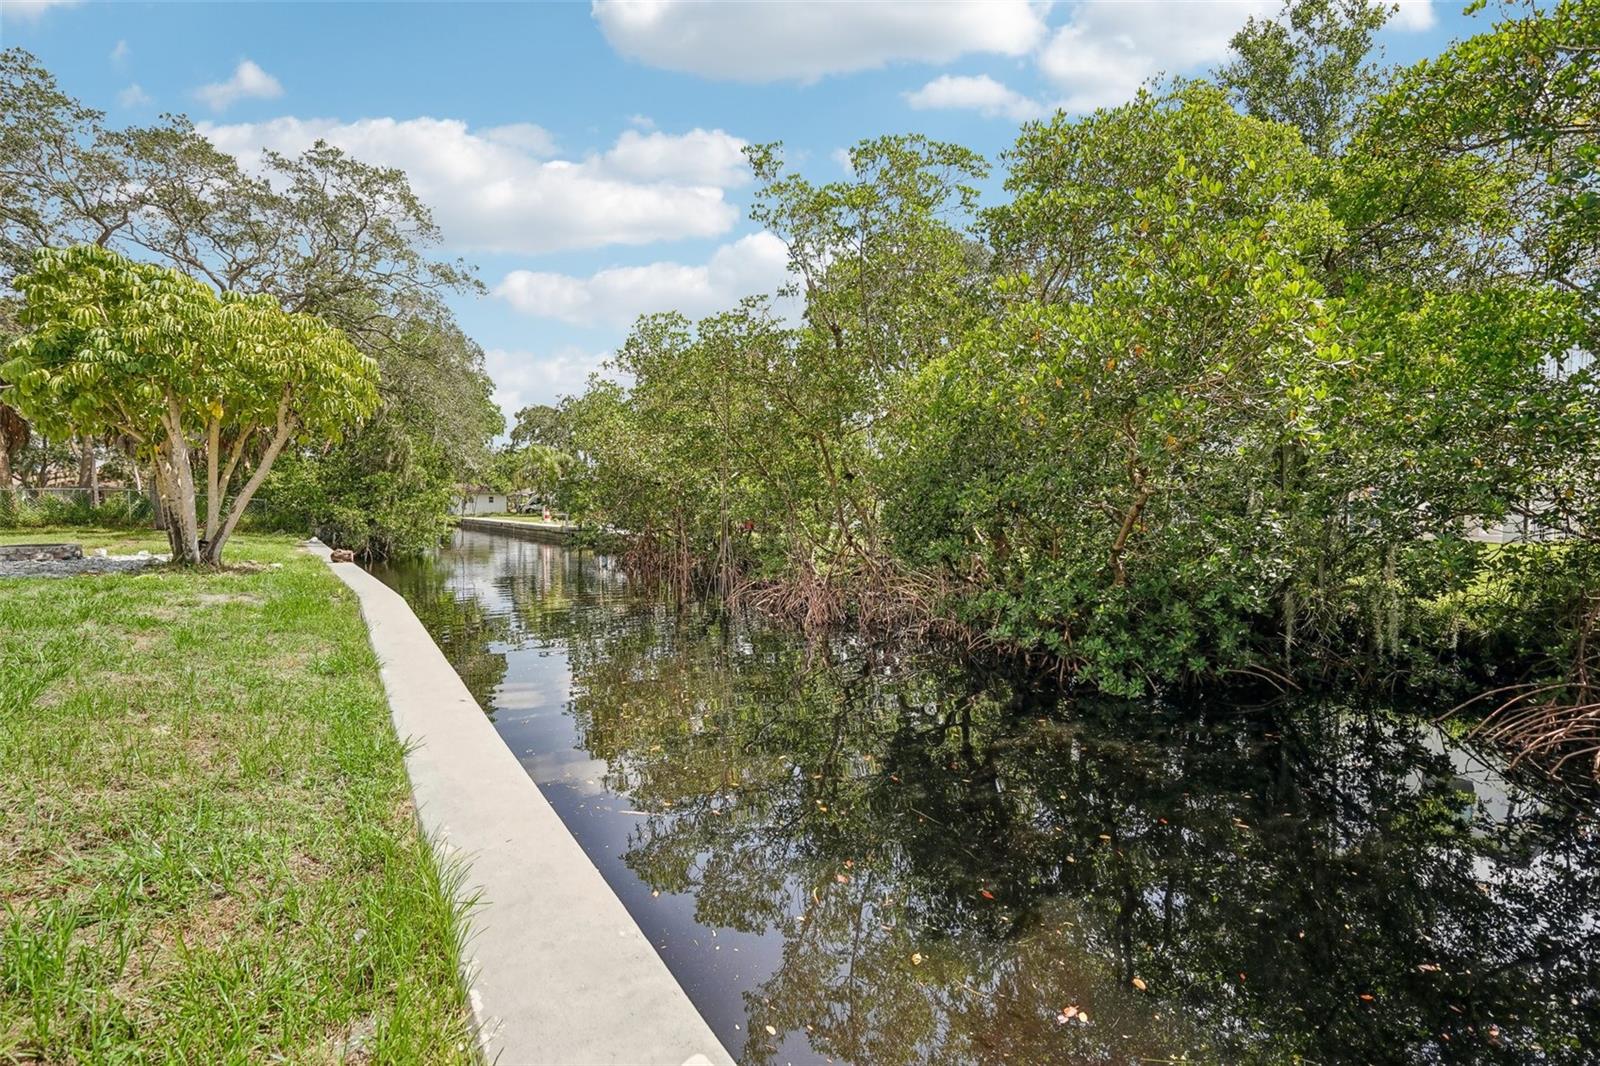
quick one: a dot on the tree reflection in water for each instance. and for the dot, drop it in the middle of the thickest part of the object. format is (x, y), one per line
(962, 869)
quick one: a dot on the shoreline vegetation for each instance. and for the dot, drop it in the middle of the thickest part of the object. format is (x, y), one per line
(1247, 380)
(207, 846)
(1227, 383)
(1276, 381)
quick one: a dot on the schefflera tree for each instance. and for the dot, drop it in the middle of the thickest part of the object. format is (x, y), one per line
(210, 388)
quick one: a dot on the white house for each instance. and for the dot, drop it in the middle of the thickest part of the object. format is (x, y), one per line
(478, 499)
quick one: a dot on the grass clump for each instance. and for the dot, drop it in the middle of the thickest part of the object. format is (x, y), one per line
(207, 846)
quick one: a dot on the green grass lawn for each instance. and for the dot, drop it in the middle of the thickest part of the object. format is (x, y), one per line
(207, 846)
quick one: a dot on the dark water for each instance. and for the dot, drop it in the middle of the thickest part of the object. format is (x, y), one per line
(892, 860)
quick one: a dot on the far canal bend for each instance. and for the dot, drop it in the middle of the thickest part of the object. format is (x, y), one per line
(846, 855)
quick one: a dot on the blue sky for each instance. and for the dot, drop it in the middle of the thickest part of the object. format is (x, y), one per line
(585, 157)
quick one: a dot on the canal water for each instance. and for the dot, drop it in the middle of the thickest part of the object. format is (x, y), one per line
(853, 856)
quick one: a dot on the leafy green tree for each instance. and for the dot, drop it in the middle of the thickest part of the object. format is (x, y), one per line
(535, 468)
(62, 179)
(541, 423)
(1480, 164)
(743, 451)
(1307, 68)
(321, 233)
(1095, 464)
(1225, 382)
(134, 350)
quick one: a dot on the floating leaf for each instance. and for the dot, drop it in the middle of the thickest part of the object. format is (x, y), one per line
(1138, 982)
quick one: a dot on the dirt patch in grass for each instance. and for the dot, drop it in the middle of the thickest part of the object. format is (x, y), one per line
(210, 599)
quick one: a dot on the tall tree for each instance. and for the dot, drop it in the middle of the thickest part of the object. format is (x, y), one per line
(321, 233)
(540, 423)
(198, 382)
(1308, 68)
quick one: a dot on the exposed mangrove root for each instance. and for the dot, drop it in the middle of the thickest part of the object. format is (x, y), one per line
(872, 595)
(1553, 724)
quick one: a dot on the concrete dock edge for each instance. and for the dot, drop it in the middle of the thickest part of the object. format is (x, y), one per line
(511, 527)
(558, 971)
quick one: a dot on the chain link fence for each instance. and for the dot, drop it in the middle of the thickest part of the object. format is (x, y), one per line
(72, 505)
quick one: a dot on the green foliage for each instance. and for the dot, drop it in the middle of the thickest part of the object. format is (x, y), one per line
(540, 424)
(119, 347)
(146, 354)
(1208, 391)
(539, 455)
(1481, 162)
(745, 448)
(1134, 394)
(386, 488)
(118, 510)
(319, 233)
(1307, 68)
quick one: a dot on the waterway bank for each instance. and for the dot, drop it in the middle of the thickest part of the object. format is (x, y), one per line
(876, 856)
(558, 971)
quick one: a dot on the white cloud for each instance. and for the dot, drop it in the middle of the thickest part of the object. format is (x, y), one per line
(133, 96)
(522, 377)
(1107, 49)
(841, 156)
(617, 295)
(798, 40)
(699, 157)
(249, 82)
(981, 93)
(119, 54)
(525, 136)
(1414, 15)
(1101, 56)
(30, 10)
(492, 191)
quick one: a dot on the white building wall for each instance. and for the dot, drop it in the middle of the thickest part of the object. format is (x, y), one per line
(480, 503)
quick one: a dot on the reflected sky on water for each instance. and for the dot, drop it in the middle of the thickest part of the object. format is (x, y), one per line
(857, 856)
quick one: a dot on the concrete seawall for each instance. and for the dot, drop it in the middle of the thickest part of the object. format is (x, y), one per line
(511, 527)
(558, 970)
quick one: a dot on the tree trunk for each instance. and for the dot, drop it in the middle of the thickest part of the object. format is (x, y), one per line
(213, 490)
(161, 493)
(94, 472)
(1129, 522)
(14, 435)
(213, 553)
(158, 506)
(176, 463)
(85, 464)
